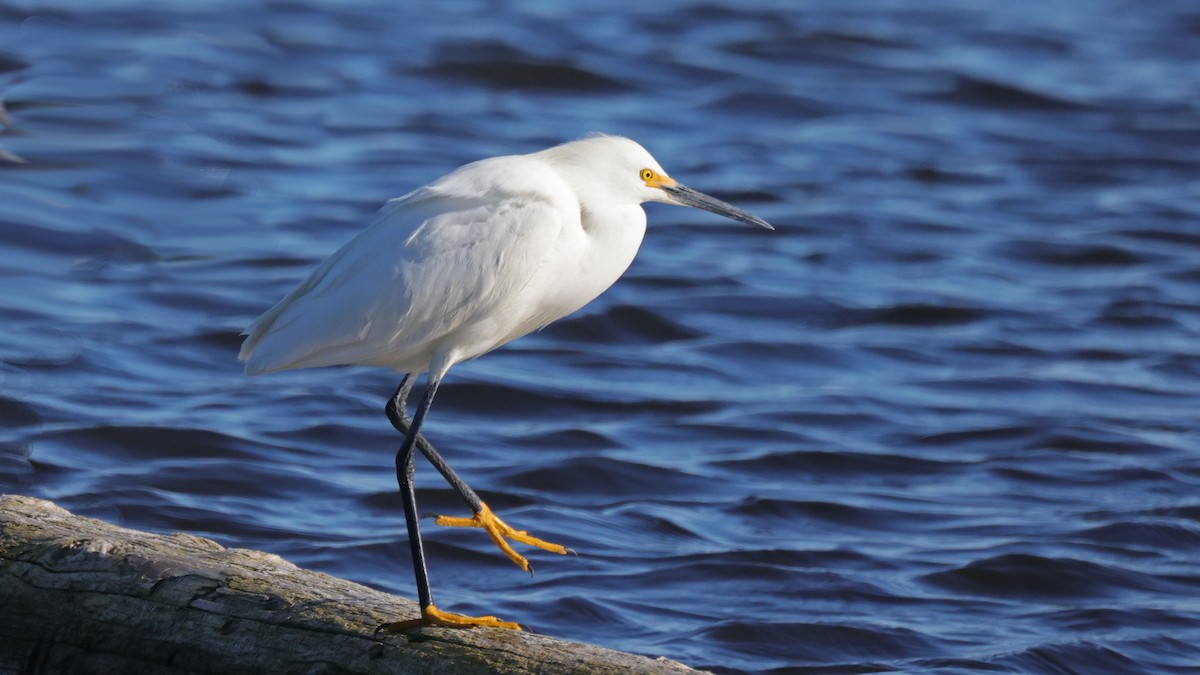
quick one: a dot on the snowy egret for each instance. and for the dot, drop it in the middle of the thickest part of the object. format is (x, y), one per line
(490, 252)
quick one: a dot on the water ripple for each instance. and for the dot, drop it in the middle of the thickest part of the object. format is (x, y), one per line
(942, 419)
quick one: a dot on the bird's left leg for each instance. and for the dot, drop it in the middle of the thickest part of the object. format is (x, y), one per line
(430, 614)
(497, 529)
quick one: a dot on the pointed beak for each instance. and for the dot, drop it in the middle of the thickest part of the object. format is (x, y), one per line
(686, 196)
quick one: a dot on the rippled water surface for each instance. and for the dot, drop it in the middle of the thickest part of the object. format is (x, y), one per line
(943, 419)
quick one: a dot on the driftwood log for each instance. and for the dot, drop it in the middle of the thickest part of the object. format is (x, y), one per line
(78, 595)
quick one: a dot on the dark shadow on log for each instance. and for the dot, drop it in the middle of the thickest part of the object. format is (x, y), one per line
(78, 595)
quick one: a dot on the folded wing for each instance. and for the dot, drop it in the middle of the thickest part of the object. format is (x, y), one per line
(429, 265)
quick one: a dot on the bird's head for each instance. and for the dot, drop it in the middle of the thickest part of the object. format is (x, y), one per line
(627, 171)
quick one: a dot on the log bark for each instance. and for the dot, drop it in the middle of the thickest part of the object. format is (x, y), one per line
(84, 596)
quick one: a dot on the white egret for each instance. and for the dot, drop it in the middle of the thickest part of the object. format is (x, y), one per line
(490, 252)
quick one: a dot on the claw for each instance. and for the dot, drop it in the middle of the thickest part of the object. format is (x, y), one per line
(432, 616)
(498, 530)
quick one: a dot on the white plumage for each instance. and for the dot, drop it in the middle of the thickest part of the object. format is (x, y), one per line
(484, 255)
(453, 270)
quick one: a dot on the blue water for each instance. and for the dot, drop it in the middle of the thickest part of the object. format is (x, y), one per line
(944, 419)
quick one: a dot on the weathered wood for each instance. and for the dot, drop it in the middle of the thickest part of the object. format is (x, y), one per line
(78, 595)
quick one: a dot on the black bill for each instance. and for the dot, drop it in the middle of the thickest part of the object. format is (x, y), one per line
(686, 196)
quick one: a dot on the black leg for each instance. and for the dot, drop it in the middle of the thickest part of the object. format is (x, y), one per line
(497, 529)
(430, 614)
(404, 476)
(397, 412)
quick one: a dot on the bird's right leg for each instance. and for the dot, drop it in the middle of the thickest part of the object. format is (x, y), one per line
(397, 412)
(498, 530)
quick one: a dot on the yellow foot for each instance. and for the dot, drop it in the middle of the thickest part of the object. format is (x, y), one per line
(432, 616)
(498, 530)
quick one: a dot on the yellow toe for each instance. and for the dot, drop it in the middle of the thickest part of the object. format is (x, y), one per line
(432, 616)
(500, 532)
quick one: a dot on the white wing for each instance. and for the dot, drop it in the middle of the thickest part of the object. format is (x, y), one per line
(429, 265)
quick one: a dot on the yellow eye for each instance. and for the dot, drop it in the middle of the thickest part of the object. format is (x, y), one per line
(647, 175)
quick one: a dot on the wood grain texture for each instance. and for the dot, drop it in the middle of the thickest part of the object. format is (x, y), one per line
(83, 596)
